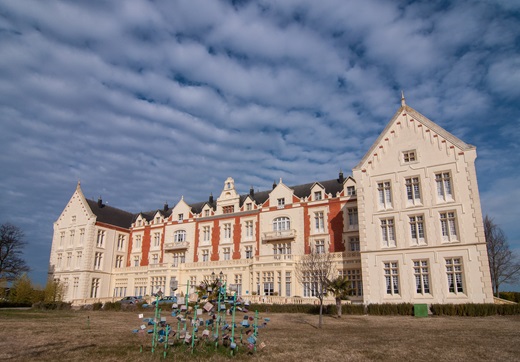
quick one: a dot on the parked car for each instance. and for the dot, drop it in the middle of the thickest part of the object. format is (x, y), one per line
(131, 300)
(166, 300)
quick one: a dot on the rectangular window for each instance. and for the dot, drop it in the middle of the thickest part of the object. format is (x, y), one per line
(62, 238)
(180, 217)
(81, 236)
(409, 156)
(448, 226)
(353, 243)
(268, 282)
(119, 261)
(138, 241)
(227, 253)
(281, 203)
(444, 189)
(417, 229)
(206, 213)
(384, 190)
(100, 242)
(249, 230)
(249, 206)
(136, 260)
(69, 260)
(227, 231)
(320, 246)
(353, 218)
(98, 259)
(249, 252)
(351, 191)
(413, 192)
(79, 256)
(94, 288)
(422, 276)
(205, 255)
(120, 242)
(287, 283)
(206, 230)
(73, 218)
(155, 259)
(392, 278)
(319, 222)
(317, 195)
(59, 260)
(354, 277)
(454, 274)
(76, 287)
(71, 239)
(228, 209)
(388, 232)
(156, 239)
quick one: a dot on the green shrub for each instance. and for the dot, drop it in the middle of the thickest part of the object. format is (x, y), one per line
(512, 296)
(52, 306)
(97, 306)
(6, 304)
(390, 309)
(474, 310)
(116, 306)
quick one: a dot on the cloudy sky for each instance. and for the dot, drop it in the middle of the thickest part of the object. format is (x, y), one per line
(147, 101)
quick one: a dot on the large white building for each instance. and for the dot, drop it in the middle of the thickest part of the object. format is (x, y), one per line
(405, 227)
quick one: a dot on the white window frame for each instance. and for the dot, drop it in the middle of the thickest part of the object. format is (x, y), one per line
(353, 242)
(384, 191)
(413, 190)
(417, 229)
(421, 272)
(351, 191)
(409, 156)
(179, 236)
(449, 229)
(388, 232)
(353, 221)
(444, 186)
(455, 275)
(319, 222)
(282, 223)
(391, 272)
(318, 195)
(319, 246)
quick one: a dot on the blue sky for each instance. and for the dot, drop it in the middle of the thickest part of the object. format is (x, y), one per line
(148, 101)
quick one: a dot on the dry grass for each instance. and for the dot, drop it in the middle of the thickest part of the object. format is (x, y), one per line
(60, 336)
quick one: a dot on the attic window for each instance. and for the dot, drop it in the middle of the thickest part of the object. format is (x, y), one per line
(409, 156)
(228, 209)
(249, 206)
(317, 195)
(73, 218)
(206, 212)
(181, 217)
(351, 191)
(157, 219)
(281, 203)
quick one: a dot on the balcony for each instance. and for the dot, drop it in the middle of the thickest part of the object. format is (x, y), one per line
(181, 245)
(278, 235)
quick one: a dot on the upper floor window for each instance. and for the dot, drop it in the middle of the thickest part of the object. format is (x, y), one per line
(180, 217)
(352, 218)
(62, 238)
(156, 239)
(206, 230)
(388, 232)
(249, 206)
(227, 253)
(71, 240)
(98, 258)
(281, 224)
(413, 192)
(444, 189)
(155, 258)
(351, 190)
(320, 246)
(73, 218)
(417, 229)
(100, 238)
(228, 209)
(249, 252)
(81, 236)
(227, 231)
(448, 226)
(409, 156)
(206, 213)
(136, 260)
(384, 190)
(179, 236)
(138, 241)
(319, 221)
(353, 243)
(281, 203)
(119, 261)
(205, 255)
(249, 229)
(120, 242)
(317, 195)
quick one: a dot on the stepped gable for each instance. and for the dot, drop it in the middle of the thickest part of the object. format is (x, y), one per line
(110, 215)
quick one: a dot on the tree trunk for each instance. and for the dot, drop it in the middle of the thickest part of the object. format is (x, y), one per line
(338, 307)
(320, 320)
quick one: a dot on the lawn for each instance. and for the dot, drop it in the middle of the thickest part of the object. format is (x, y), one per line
(107, 336)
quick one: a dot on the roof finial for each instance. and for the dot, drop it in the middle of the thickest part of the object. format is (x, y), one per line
(78, 186)
(403, 101)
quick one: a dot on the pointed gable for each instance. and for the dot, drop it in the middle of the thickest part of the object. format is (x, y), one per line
(77, 209)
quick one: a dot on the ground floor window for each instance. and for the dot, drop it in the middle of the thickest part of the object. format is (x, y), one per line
(422, 276)
(454, 274)
(94, 288)
(392, 277)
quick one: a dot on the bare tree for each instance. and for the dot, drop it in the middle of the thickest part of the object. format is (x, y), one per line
(11, 246)
(314, 271)
(503, 263)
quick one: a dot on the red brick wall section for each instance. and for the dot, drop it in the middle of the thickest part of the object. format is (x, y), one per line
(145, 247)
(196, 242)
(306, 230)
(237, 236)
(335, 221)
(215, 236)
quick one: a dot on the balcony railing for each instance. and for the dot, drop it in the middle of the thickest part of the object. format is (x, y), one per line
(279, 235)
(181, 245)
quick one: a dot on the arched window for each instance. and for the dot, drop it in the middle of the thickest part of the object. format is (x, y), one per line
(281, 224)
(179, 236)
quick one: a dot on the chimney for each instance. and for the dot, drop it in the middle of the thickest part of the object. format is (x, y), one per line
(99, 202)
(274, 185)
(211, 199)
(165, 207)
(341, 178)
(252, 192)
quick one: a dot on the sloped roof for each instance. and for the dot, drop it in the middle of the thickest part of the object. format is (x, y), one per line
(422, 119)
(111, 215)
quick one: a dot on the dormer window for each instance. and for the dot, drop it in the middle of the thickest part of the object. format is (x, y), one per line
(409, 156)
(249, 206)
(351, 191)
(281, 203)
(181, 217)
(206, 213)
(317, 195)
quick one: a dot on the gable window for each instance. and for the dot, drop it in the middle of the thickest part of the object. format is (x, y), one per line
(448, 226)
(206, 213)
(281, 224)
(317, 195)
(351, 191)
(228, 209)
(73, 218)
(249, 206)
(62, 238)
(388, 232)
(385, 194)
(319, 222)
(81, 236)
(71, 240)
(413, 193)
(422, 278)
(392, 278)
(444, 189)
(454, 274)
(409, 156)
(417, 229)
(180, 217)
(179, 236)
(281, 203)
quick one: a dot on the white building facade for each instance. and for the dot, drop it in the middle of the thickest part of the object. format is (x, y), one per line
(406, 227)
